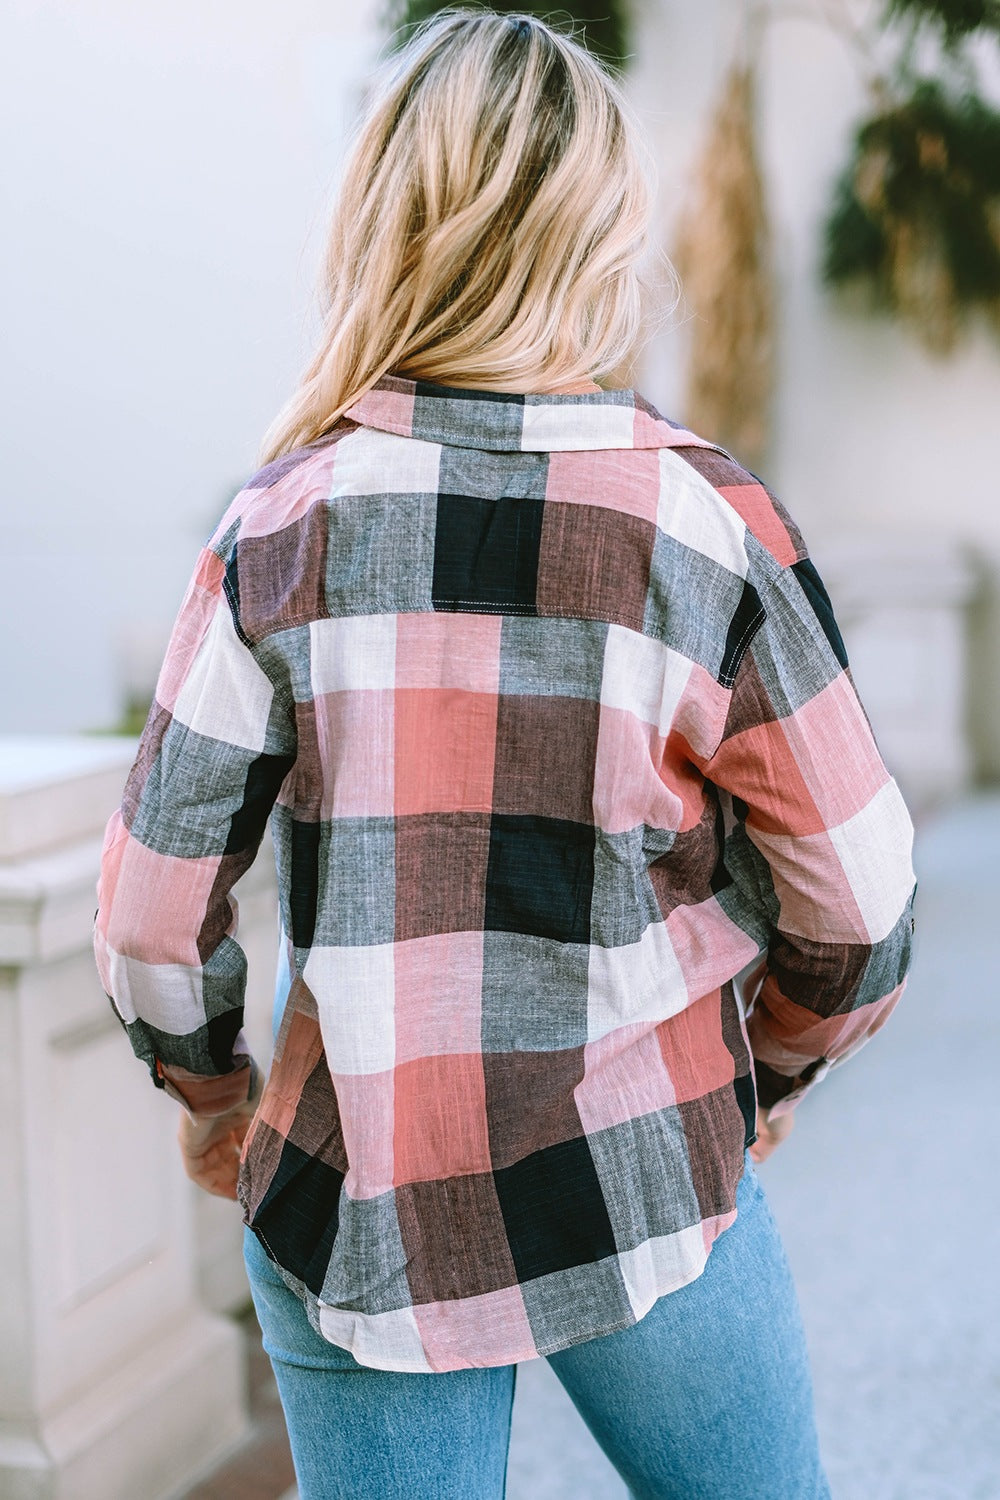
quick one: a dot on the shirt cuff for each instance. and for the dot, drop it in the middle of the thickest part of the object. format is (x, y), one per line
(778, 1094)
(210, 1097)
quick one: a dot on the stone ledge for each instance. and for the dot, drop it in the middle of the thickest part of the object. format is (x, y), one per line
(174, 1408)
(57, 789)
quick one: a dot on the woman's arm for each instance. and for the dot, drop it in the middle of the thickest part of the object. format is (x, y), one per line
(818, 837)
(219, 741)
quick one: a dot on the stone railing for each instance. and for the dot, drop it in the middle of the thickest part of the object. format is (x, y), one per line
(903, 605)
(116, 1380)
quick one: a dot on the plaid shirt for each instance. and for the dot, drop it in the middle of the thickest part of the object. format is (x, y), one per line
(554, 726)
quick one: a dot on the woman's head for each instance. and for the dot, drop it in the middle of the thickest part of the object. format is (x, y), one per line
(491, 216)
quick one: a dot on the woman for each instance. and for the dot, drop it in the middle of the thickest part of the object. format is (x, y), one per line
(554, 726)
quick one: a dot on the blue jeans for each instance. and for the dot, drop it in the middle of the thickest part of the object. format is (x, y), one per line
(708, 1397)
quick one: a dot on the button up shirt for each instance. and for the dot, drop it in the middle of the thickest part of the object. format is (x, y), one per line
(554, 725)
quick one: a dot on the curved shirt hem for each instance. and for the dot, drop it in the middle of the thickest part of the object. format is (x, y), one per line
(643, 1292)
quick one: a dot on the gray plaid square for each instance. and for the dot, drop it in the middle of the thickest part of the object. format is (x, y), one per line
(690, 601)
(202, 781)
(561, 657)
(643, 1169)
(534, 993)
(288, 656)
(484, 475)
(623, 903)
(367, 1271)
(553, 1302)
(790, 650)
(357, 883)
(887, 964)
(497, 418)
(380, 553)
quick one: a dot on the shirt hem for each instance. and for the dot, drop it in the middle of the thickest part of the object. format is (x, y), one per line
(593, 1331)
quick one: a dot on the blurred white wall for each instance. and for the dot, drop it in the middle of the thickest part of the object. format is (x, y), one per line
(169, 174)
(169, 183)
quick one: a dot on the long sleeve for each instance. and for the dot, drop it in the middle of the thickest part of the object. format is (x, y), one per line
(218, 743)
(818, 839)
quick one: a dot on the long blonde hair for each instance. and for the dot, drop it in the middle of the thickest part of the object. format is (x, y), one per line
(493, 211)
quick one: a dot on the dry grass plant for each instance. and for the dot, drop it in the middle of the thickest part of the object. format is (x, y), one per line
(724, 260)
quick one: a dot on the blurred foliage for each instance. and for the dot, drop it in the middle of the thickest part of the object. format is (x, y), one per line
(915, 218)
(134, 716)
(132, 721)
(601, 24)
(917, 212)
(956, 19)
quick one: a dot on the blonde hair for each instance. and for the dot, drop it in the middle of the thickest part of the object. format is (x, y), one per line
(493, 211)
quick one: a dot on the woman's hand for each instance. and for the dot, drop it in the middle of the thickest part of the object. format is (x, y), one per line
(770, 1133)
(211, 1146)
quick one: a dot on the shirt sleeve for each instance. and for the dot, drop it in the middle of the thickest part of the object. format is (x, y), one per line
(219, 741)
(818, 842)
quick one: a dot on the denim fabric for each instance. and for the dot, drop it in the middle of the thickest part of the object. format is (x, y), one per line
(708, 1397)
(282, 983)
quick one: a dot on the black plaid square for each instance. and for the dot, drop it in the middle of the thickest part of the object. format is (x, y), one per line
(540, 877)
(486, 553)
(554, 1210)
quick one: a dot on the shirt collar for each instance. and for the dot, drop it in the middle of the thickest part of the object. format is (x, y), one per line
(509, 422)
